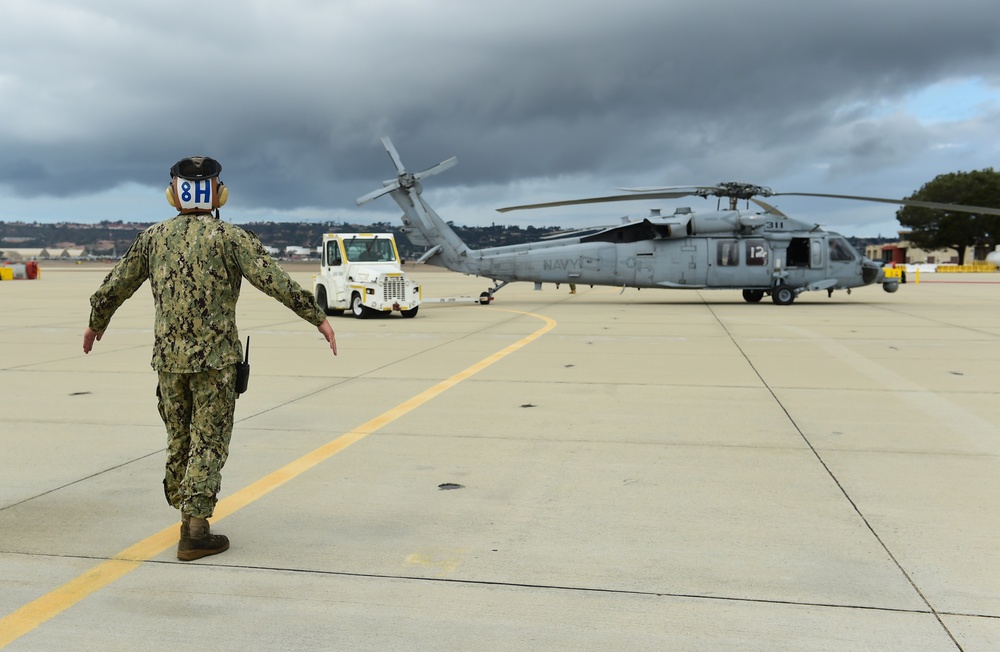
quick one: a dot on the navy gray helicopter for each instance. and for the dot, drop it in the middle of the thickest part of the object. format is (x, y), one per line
(763, 253)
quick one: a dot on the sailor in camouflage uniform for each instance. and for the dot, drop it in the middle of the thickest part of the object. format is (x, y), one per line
(195, 264)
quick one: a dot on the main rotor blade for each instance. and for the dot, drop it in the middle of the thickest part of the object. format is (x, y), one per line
(393, 154)
(571, 232)
(767, 207)
(962, 208)
(690, 190)
(597, 200)
(727, 189)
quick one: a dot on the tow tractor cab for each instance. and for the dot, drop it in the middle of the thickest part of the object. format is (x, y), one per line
(361, 272)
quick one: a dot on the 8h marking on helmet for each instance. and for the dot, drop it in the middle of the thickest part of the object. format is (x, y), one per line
(195, 186)
(202, 189)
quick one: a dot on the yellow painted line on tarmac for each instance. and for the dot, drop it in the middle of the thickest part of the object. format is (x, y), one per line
(442, 560)
(33, 614)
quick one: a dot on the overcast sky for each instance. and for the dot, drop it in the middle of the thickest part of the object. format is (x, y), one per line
(539, 100)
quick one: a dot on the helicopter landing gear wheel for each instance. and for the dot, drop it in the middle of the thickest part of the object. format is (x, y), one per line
(782, 295)
(753, 296)
(486, 298)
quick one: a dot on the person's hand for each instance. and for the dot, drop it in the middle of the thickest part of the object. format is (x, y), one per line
(327, 330)
(88, 339)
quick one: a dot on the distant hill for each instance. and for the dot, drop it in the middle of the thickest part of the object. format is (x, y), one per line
(114, 238)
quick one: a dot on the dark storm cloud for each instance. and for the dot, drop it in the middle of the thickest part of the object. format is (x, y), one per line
(292, 96)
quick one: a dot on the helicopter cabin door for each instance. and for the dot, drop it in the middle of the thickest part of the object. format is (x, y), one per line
(806, 261)
(739, 263)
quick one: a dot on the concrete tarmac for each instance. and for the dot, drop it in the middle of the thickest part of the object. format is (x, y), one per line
(601, 471)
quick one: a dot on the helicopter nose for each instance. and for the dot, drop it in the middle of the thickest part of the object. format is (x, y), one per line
(871, 272)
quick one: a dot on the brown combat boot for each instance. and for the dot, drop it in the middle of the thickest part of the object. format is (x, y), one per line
(197, 540)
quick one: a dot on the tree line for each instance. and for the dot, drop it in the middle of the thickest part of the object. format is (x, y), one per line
(941, 229)
(114, 237)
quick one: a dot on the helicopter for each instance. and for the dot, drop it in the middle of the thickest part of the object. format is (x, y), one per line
(763, 253)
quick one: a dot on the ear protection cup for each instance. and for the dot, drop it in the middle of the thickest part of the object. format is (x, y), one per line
(221, 194)
(171, 199)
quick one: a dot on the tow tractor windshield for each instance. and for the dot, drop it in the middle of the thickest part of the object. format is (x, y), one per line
(372, 250)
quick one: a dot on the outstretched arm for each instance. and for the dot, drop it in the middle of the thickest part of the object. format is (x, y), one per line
(121, 283)
(265, 274)
(327, 331)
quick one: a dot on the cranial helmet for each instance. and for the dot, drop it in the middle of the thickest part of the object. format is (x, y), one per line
(195, 186)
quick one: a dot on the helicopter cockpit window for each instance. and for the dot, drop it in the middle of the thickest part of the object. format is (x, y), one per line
(729, 253)
(841, 250)
(332, 253)
(756, 252)
(372, 250)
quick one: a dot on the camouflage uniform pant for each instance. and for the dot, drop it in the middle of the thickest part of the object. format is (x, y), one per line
(197, 409)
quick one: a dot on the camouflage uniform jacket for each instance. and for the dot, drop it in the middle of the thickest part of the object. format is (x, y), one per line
(195, 264)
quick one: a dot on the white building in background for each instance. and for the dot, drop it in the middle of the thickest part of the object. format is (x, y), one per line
(22, 254)
(298, 252)
(72, 253)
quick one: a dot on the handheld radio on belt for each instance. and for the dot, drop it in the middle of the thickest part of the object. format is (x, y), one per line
(243, 371)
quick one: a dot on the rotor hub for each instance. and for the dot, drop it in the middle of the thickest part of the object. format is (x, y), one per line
(735, 190)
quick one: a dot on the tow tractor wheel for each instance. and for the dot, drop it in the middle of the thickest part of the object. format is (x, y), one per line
(753, 296)
(409, 313)
(321, 298)
(321, 301)
(359, 309)
(782, 295)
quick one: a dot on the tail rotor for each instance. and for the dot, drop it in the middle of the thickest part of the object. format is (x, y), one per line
(405, 180)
